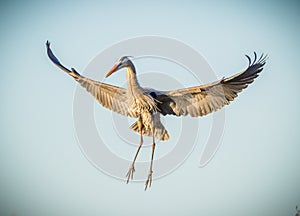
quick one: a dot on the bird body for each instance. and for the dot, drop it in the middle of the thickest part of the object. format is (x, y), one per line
(143, 106)
(146, 105)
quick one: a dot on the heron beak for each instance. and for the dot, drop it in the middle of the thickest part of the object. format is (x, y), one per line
(112, 70)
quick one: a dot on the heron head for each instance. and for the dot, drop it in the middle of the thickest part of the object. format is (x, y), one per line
(121, 63)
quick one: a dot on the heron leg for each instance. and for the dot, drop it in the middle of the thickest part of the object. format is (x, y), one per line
(131, 170)
(149, 179)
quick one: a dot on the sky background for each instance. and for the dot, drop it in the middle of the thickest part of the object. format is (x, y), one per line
(42, 168)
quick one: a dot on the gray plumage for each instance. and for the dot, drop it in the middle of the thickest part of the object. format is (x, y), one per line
(147, 104)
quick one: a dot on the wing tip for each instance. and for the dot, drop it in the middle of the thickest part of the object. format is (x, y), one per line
(55, 60)
(51, 55)
(261, 61)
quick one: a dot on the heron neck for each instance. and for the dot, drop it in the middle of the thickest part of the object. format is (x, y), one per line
(133, 85)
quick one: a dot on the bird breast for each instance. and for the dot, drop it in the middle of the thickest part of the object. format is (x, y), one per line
(143, 103)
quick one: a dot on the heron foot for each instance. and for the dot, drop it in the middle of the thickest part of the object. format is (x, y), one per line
(130, 172)
(149, 180)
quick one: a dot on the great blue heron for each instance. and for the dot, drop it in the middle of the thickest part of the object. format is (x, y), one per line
(148, 104)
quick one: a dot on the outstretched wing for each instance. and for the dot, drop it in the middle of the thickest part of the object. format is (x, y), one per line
(204, 99)
(109, 96)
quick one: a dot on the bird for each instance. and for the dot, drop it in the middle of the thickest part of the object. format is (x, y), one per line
(147, 104)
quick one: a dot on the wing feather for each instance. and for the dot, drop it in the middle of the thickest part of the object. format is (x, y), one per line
(112, 97)
(204, 99)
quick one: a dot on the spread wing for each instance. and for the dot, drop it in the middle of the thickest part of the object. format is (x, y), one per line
(204, 99)
(109, 96)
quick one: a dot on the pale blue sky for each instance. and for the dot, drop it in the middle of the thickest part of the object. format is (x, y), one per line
(43, 171)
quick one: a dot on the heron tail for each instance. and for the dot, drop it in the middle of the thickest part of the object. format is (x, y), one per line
(160, 132)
